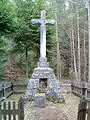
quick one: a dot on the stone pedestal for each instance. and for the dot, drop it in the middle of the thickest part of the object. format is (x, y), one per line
(43, 71)
(40, 100)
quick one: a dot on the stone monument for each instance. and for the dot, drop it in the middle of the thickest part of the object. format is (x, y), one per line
(43, 79)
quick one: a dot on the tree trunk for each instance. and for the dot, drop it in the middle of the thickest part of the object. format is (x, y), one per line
(54, 4)
(58, 56)
(71, 49)
(89, 39)
(73, 46)
(74, 57)
(79, 63)
(85, 59)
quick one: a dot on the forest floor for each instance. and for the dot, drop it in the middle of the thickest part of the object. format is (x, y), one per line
(59, 111)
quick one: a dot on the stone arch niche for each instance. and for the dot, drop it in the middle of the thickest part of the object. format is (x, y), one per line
(43, 83)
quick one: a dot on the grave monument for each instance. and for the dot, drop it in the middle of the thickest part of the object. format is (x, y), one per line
(43, 79)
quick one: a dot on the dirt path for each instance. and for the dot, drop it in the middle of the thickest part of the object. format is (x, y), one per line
(70, 107)
(65, 111)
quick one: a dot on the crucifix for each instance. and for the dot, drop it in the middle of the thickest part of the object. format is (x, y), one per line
(43, 23)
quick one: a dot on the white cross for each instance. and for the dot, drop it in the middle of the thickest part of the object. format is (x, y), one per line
(43, 23)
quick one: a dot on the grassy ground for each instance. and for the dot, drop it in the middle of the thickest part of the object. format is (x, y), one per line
(13, 97)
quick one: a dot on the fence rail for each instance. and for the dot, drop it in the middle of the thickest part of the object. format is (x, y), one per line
(84, 109)
(6, 89)
(81, 89)
(19, 87)
(9, 110)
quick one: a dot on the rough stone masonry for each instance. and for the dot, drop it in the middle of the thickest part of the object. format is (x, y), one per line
(43, 71)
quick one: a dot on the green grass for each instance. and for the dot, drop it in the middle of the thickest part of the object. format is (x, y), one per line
(55, 100)
(14, 97)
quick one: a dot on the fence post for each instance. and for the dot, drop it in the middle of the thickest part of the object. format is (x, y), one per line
(0, 112)
(82, 109)
(4, 105)
(21, 109)
(88, 117)
(12, 86)
(3, 90)
(84, 89)
(9, 108)
(72, 87)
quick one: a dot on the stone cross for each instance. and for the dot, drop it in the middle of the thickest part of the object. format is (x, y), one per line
(43, 23)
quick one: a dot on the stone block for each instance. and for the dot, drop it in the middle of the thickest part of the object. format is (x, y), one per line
(40, 100)
(30, 94)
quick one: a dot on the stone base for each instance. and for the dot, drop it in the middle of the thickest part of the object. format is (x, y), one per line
(40, 100)
(43, 71)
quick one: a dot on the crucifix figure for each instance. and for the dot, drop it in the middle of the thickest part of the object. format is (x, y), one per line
(43, 23)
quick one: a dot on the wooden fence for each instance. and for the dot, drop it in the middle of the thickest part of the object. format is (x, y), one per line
(81, 89)
(12, 111)
(5, 90)
(8, 88)
(84, 109)
(19, 87)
